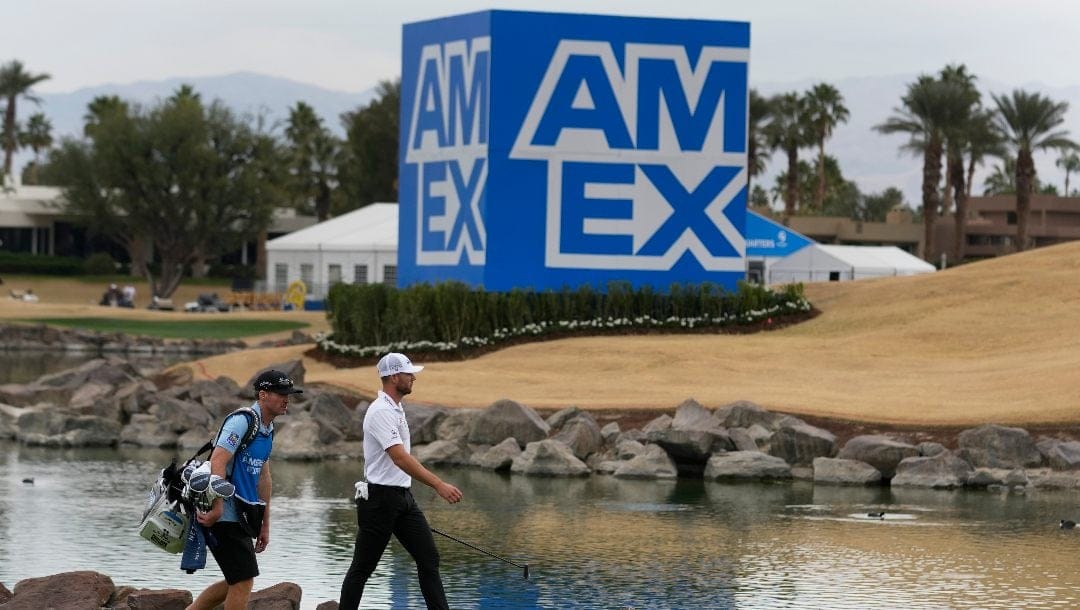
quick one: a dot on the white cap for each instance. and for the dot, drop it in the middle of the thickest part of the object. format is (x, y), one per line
(394, 363)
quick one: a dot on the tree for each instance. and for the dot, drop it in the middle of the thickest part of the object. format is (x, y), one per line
(100, 108)
(1002, 178)
(312, 152)
(368, 165)
(842, 197)
(757, 148)
(788, 131)
(1030, 122)
(38, 136)
(876, 206)
(825, 110)
(15, 83)
(929, 108)
(193, 181)
(1070, 162)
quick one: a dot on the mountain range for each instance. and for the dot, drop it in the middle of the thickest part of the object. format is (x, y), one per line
(873, 160)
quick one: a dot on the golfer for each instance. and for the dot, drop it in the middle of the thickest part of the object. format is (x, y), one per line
(389, 507)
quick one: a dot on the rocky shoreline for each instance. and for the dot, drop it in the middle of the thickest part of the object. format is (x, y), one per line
(41, 337)
(109, 402)
(93, 590)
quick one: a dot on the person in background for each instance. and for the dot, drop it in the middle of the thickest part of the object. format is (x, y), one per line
(385, 504)
(127, 298)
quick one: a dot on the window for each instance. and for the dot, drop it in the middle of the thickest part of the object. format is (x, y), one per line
(281, 277)
(834, 276)
(307, 274)
(360, 274)
(389, 274)
(1010, 218)
(333, 274)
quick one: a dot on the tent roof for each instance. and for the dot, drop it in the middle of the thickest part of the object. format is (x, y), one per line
(856, 257)
(372, 227)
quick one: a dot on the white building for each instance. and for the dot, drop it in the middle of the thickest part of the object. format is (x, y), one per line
(357, 248)
(825, 263)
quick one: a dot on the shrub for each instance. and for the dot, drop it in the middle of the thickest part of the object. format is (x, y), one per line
(99, 263)
(37, 264)
(374, 318)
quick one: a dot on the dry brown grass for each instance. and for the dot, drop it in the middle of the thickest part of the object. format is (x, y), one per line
(995, 341)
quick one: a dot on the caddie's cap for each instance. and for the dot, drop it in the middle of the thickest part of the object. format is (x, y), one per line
(276, 382)
(394, 363)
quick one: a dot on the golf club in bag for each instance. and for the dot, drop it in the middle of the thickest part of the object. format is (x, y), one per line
(525, 567)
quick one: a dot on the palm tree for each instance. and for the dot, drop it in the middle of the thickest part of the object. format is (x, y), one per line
(1002, 179)
(757, 148)
(1030, 122)
(825, 110)
(1070, 162)
(38, 136)
(99, 109)
(15, 82)
(929, 109)
(788, 131)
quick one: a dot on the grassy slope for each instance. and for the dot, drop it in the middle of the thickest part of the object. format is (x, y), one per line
(992, 341)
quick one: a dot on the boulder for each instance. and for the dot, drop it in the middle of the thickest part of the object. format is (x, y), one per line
(929, 449)
(443, 452)
(145, 430)
(798, 443)
(651, 463)
(880, 451)
(1061, 455)
(746, 466)
(943, 471)
(505, 419)
(995, 446)
(691, 446)
(162, 599)
(9, 418)
(423, 422)
(90, 399)
(51, 428)
(330, 605)
(1017, 477)
(336, 421)
(282, 596)
(5, 594)
(500, 457)
(743, 440)
(662, 422)
(743, 414)
(180, 415)
(986, 477)
(134, 397)
(548, 457)
(556, 420)
(690, 415)
(610, 432)
(581, 434)
(628, 449)
(456, 425)
(298, 440)
(840, 471)
(83, 590)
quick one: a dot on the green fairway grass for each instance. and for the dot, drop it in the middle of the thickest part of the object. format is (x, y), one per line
(171, 329)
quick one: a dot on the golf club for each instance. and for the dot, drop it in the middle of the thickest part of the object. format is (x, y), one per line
(476, 548)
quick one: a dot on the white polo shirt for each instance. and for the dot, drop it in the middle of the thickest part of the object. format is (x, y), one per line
(384, 427)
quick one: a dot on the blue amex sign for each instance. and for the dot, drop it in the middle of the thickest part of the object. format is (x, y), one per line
(547, 150)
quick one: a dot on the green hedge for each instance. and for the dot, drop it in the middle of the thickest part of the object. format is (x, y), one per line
(36, 264)
(370, 319)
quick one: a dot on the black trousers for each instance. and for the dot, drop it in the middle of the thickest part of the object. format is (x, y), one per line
(392, 510)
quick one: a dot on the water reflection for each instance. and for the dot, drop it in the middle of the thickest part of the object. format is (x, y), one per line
(596, 542)
(24, 366)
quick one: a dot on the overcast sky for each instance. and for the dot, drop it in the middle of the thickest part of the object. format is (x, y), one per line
(350, 45)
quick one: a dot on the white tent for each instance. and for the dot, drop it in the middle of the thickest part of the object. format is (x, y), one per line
(357, 248)
(825, 263)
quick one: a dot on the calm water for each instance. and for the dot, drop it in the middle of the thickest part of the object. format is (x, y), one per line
(591, 543)
(24, 366)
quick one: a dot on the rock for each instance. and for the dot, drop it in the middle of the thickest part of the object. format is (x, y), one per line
(456, 425)
(610, 432)
(943, 471)
(500, 457)
(1061, 455)
(660, 423)
(146, 430)
(879, 451)
(548, 458)
(742, 440)
(629, 449)
(557, 419)
(443, 452)
(423, 422)
(180, 415)
(930, 449)
(744, 414)
(5, 594)
(163, 599)
(331, 605)
(581, 434)
(746, 466)
(174, 377)
(798, 443)
(194, 438)
(996, 446)
(282, 596)
(51, 428)
(298, 440)
(1017, 477)
(90, 399)
(336, 421)
(505, 419)
(134, 397)
(69, 590)
(9, 418)
(692, 446)
(651, 463)
(840, 471)
(985, 477)
(690, 415)
(1057, 480)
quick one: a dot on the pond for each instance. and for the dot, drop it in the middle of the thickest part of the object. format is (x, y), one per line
(24, 366)
(596, 542)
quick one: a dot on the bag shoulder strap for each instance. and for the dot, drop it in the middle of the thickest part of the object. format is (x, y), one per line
(254, 422)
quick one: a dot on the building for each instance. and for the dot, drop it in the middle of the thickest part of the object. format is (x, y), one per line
(898, 230)
(990, 229)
